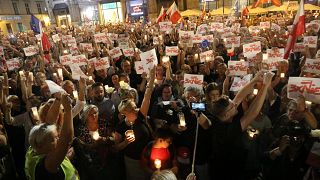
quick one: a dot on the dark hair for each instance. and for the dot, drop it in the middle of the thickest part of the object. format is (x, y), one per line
(165, 85)
(219, 106)
(163, 133)
(96, 84)
(213, 86)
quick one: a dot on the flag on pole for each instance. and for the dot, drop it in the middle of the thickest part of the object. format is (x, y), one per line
(245, 11)
(204, 10)
(174, 13)
(162, 15)
(36, 26)
(274, 2)
(298, 28)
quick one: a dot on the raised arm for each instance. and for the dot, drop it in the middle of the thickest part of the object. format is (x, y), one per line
(247, 89)
(255, 107)
(308, 116)
(146, 100)
(55, 158)
(53, 113)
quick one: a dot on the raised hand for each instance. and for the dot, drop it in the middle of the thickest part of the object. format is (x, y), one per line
(66, 102)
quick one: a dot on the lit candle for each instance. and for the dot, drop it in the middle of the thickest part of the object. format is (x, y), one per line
(95, 135)
(90, 78)
(54, 74)
(75, 94)
(225, 39)
(160, 37)
(129, 134)
(136, 49)
(146, 37)
(308, 104)
(264, 56)
(182, 120)
(196, 56)
(35, 113)
(132, 29)
(31, 76)
(241, 59)
(255, 91)
(21, 73)
(282, 75)
(60, 72)
(165, 59)
(207, 58)
(65, 51)
(157, 163)
(106, 87)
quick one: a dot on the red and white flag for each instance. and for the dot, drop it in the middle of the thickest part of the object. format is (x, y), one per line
(274, 2)
(299, 27)
(230, 52)
(174, 13)
(203, 14)
(45, 43)
(162, 15)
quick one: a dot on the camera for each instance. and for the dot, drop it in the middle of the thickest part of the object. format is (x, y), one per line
(198, 106)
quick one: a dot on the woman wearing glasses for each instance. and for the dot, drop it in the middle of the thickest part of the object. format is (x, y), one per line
(133, 134)
(46, 158)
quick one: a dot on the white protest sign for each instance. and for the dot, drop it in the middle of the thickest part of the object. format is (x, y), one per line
(115, 52)
(76, 72)
(79, 60)
(238, 68)
(92, 61)
(149, 58)
(172, 50)
(100, 37)
(197, 38)
(193, 80)
(66, 59)
(202, 29)
(123, 43)
(30, 51)
(216, 27)
(312, 66)
(86, 46)
(209, 38)
(53, 87)
(56, 38)
(66, 38)
(272, 64)
(310, 41)
(275, 27)
(128, 52)
(254, 30)
(313, 26)
(72, 42)
(140, 67)
(235, 41)
(113, 36)
(307, 87)
(13, 64)
(251, 49)
(185, 37)
(206, 56)
(275, 54)
(265, 25)
(299, 47)
(165, 26)
(102, 63)
(238, 82)
(235, 27)
(1, 50)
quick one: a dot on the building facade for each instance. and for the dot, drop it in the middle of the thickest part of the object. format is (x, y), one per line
(15, 15)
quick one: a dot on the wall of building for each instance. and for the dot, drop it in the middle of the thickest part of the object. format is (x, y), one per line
(20, 21)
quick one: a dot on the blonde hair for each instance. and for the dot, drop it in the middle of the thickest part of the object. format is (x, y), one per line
(164, 175)
(86, 110)
(39, 133)
(124, 104)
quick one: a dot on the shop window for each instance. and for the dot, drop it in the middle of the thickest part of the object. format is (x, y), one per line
(112, 12)
(9, 28)
(20, 27)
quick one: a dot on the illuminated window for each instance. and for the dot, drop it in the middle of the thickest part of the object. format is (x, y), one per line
(112, 12)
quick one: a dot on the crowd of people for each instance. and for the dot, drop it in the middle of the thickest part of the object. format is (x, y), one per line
(113, 123)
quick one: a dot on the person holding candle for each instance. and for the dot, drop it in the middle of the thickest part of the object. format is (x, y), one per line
(46, 158)
(159, 154)
(135, 120)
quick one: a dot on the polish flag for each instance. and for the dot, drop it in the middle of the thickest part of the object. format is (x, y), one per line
(274, 2)
(204, 10)
(299, 27)
(174, 13)
(245, 11)
(162, 15)
(230, 52)
(45, 44)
